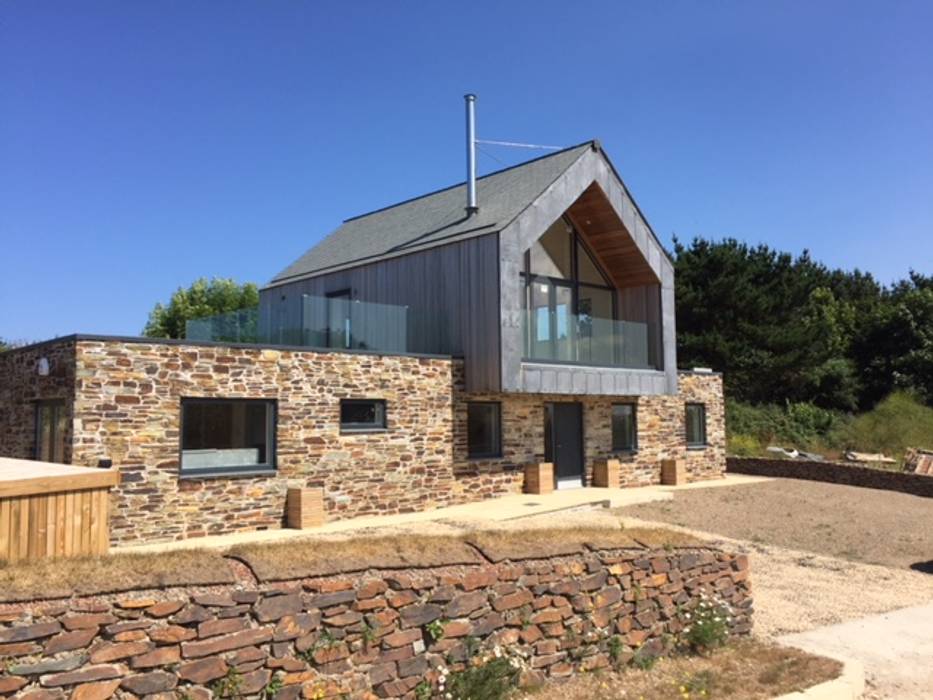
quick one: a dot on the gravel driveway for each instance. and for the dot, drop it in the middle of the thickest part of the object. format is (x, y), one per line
(846, 522)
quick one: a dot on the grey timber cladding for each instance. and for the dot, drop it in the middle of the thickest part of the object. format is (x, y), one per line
(451, 290)
(592, 166)
(434, 219)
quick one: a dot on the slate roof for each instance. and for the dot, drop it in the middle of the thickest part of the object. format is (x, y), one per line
(435, 219)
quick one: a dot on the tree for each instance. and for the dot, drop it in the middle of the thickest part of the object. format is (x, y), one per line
(203, 298)
(4, 345)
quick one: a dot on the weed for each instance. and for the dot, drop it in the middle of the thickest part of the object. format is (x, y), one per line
(644, 660)
(369, 635)
(229, 685)
(615, 647)
(423, 691)
(435, 629)
(272, 687)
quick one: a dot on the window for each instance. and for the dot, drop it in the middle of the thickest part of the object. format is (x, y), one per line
(362, 414)
(484, 429)
(50, 431)
(696, 425)
(624, 427)
(227, 435)
(570, 310)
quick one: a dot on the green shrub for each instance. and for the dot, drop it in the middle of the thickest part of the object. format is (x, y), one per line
(492, 679)
(706, 626)
(898, 422)
(742, 445)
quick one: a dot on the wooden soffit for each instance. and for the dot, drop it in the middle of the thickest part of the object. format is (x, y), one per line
(602, 229)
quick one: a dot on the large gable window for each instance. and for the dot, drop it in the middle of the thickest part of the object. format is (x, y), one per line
(227, 435)
(570, 304)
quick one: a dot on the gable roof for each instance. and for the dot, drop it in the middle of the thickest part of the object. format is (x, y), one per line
(440, 217)
(436, 218)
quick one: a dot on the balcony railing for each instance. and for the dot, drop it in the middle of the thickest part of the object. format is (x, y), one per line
(334, 323)
(557, 336)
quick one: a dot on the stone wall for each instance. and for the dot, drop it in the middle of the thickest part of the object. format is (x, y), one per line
(21, 386)
(660, 425)
(128, 409)
(835, 473)
(365, 633)
(124, 399)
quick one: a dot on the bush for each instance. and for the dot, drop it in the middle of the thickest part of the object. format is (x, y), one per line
(742, 445)
(801, 425)
(898, 422)
(488, 679)
(706, 626)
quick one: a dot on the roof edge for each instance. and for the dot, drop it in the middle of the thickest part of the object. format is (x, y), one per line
(592, 142)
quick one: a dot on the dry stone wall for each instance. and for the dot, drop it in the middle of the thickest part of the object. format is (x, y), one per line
(835, 473)
(365, 634)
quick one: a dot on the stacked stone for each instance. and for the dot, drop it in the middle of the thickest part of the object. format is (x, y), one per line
(370, 634)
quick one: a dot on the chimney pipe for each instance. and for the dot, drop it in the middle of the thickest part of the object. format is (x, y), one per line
(471, 207)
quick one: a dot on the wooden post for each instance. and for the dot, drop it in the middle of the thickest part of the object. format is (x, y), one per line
(539, 477)
(606, 473)
(673, 472)
(304, 508)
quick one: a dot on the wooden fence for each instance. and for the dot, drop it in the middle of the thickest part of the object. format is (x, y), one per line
(53, 510)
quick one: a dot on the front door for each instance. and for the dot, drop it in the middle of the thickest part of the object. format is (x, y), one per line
(563, 442)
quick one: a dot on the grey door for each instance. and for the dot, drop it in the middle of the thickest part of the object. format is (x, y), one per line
(563, 441)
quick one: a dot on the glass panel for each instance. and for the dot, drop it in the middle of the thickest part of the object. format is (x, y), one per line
(362, 414)
(585, 338)
(564, 326)
(483, 433)
(597, 328)
(226, 434)
(696, 424)
(338, 321)
(587, 268)
(623, 426)
(539, 292)
(550, 254)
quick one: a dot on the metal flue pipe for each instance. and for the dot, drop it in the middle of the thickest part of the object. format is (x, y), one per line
(471, 207)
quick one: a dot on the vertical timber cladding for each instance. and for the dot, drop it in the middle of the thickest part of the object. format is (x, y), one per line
(452, 293)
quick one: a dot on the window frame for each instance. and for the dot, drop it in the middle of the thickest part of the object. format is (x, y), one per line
(58, 431)
(634, 447)
(356, 428)
(497, 452)
(272, 423)
(704, 438)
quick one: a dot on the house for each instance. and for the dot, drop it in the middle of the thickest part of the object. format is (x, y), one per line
(420, 355)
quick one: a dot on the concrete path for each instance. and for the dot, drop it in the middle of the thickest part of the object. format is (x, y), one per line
(895, 648)
(495, 510)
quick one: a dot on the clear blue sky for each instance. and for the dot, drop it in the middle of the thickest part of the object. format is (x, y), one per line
(144, 144)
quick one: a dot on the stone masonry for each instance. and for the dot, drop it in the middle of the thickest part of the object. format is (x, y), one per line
(123, 398)
(367, 634)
